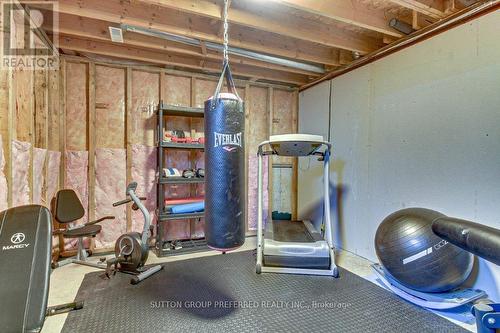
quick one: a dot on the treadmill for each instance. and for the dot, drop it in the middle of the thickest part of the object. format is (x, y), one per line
(295, 247)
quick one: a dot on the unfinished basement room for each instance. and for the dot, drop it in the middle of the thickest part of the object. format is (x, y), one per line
(250, 166)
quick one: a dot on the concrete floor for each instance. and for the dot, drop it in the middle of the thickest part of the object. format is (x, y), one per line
(66, 280)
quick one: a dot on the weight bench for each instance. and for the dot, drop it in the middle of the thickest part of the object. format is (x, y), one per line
(25, 258)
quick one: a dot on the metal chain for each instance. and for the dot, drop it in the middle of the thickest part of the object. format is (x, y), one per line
(226, 38)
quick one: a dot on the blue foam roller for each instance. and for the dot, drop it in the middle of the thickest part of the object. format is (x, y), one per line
(189, 208)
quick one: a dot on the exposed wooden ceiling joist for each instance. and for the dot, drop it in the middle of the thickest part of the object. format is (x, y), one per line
(75, 26)
(198, 27)
(327, 32)
(455, 19)
(347, 11)
(278, 23)
(431, 8)
(161, 58)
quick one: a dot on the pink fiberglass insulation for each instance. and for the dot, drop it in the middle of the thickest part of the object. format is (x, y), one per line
(145, 98)
(175, 230)
(110, 187)
(252, 191)
(144, 173)
(20, 173)
(76, 179)
(52, 181)
(39, 155)
(178, 123)
(3, 180)
(76, 99)
(177, 90)
(53, 166)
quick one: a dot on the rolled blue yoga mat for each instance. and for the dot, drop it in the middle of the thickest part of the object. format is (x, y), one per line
(189, 208)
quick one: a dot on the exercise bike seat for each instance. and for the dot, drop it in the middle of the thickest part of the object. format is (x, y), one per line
(68, 208)
(84, 231)
(25, 255)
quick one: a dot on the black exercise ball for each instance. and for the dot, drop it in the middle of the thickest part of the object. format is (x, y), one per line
(416, 257)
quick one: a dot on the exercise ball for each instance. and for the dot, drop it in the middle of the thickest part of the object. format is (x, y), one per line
(416, 257)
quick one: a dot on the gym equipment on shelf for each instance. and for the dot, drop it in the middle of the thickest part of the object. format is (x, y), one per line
(417, 258)
(183, 201)
(67, 208)
(182, 140)
(189, 173)
(200, 173)
(176, 245)
(295, 247)
(225, 162)
(188, 208)
(179, 136)
(171, 172)
(131, 249)
(26, 246)
(174, 136)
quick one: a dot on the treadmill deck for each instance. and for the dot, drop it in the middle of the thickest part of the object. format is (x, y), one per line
(295, 244)
(291, 231)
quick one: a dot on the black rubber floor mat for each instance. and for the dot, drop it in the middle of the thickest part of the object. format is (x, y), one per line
(223, 293)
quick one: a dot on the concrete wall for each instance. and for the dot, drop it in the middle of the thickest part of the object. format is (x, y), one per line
(419, 128)
(313, 119)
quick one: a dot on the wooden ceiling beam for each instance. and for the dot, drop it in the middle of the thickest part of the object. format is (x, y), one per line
(162, 58)
(70, 25)
(431, 8)
(197, 27)
(276, 22)
(346, 11)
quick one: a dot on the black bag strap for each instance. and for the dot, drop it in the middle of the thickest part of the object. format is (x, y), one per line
(226, 73)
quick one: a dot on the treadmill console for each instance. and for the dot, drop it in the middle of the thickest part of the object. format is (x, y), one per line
(295, 144)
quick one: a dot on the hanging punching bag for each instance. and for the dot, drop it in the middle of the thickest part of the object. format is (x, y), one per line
(224, 167)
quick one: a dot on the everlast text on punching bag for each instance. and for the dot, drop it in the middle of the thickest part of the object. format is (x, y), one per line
(224, 167)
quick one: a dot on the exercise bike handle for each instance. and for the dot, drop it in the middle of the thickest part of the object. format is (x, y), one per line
(122, 202)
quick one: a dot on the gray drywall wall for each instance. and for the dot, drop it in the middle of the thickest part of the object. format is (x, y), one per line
(313, 119)
(419, 128)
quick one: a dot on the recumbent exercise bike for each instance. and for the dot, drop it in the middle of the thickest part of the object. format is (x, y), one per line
(131, 248)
